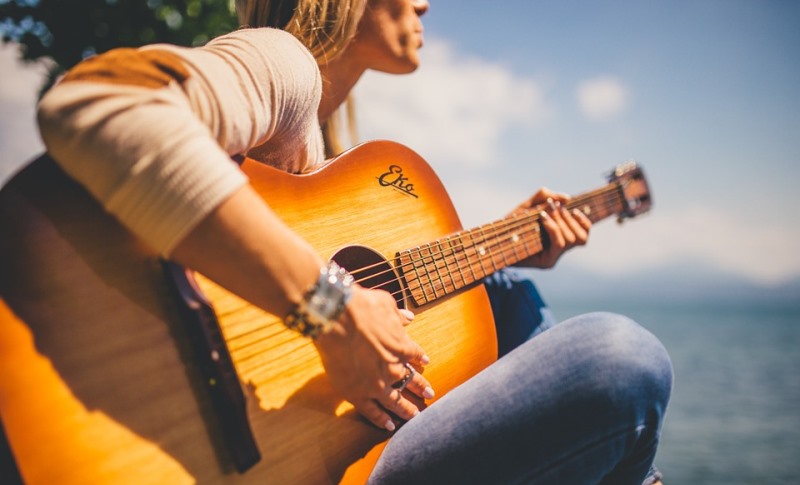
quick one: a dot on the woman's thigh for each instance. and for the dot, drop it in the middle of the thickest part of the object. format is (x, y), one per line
(568, 406)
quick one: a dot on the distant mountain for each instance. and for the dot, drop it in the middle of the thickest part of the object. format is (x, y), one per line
(686, 283)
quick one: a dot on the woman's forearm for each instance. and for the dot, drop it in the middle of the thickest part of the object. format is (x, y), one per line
(246, 248)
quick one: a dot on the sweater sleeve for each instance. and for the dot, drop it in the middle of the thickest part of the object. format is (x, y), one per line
(150, 132)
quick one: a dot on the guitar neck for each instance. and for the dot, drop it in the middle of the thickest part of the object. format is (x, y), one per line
(444, 266)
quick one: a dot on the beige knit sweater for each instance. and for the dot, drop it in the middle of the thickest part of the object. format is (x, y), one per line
(150, 132)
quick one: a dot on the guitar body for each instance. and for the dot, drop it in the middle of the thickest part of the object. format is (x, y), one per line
(99, 385)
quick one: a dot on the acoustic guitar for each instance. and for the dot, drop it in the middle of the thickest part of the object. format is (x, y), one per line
(118, 367)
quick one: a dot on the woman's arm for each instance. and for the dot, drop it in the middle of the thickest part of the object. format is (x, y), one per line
(149, 133)
(246, 248)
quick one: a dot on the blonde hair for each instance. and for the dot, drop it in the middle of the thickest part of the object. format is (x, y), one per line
(325, 27)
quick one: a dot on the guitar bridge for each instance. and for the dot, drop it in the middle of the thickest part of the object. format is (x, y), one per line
(211, 354)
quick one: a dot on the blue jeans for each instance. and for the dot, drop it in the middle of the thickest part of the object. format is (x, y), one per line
(580, 403)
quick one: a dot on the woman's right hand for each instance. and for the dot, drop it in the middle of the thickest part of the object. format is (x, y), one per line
(367, 352)
(257, 257)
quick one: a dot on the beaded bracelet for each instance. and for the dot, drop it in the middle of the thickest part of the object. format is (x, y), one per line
(323, 304)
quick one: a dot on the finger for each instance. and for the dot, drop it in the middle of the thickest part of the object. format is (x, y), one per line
(396, 372)
(573, 232)
(408, 316)
(410, 351)
(553, 231)
(582, 219)
(401, 407)
(553, 210)
(581, 233)
(544, 193)
(421, 387)
(540, 196)
(375, 414)
(561, 216)
(420, 358)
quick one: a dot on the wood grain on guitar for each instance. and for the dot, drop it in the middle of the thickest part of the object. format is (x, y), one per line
(99, 382)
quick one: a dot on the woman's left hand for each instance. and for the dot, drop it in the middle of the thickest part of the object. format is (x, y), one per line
(565, 228)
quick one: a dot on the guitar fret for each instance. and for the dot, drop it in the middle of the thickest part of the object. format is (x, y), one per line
(465, 251)
(514, 238)
(600, 203)
(536, 239)
(477, 253)
(412, 283)
(441, 268)
(436, 263)
(499, 242)
(419, 263)
(430, 266)
(437, 281)
(453, 286)
(527, 251)
(458, 260)
(486, 251)
(455, 260)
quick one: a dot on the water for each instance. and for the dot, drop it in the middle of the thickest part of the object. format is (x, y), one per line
(734, 417)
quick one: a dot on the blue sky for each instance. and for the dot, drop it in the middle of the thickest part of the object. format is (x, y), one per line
(704, 94)
(517, 94)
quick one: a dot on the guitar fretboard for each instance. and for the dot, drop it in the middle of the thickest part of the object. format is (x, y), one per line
(439, 268)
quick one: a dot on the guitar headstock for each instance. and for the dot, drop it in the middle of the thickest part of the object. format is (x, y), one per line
(633, 189)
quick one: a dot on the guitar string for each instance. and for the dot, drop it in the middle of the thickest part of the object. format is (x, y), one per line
(256, 368)
(493, 241)
(502, 225)
(246, 346)
(250, 333)
(498, 228)
(252, 368)
(451, 252)
(432, 285)
(247, 356)
(249, 351)
(451, 255)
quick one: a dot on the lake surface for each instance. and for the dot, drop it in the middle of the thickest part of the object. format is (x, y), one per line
(734, 417)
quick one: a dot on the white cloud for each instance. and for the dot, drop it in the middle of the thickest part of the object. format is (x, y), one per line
(762, 252)
(601, 98)
(19, 85)
(457, 109)
(452, 109)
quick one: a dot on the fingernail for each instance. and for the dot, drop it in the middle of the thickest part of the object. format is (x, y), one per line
(544, 215)
(428, 393)
(415, 413)
(389, 425)
(408, 313)
(551, 203)
(425, 359)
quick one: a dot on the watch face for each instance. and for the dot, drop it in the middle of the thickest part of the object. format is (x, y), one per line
(322, 305)
(314, 314)
(326, 302)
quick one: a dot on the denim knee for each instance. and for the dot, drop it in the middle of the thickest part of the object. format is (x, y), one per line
(628, 364)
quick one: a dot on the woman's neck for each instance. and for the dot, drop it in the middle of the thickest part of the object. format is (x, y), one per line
(339, 76)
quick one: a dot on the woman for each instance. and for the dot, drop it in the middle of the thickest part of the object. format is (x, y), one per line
(580, 403)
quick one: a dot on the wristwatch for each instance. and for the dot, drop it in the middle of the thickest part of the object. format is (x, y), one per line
(322, 305)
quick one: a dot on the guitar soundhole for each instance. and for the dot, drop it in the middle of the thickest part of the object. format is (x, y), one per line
(371, 270)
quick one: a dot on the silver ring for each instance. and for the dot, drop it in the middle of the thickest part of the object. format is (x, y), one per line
(402, 383)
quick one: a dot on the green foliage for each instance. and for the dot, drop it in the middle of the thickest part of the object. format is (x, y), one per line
(67, 31)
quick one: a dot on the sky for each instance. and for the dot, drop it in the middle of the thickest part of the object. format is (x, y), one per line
(519, 94)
